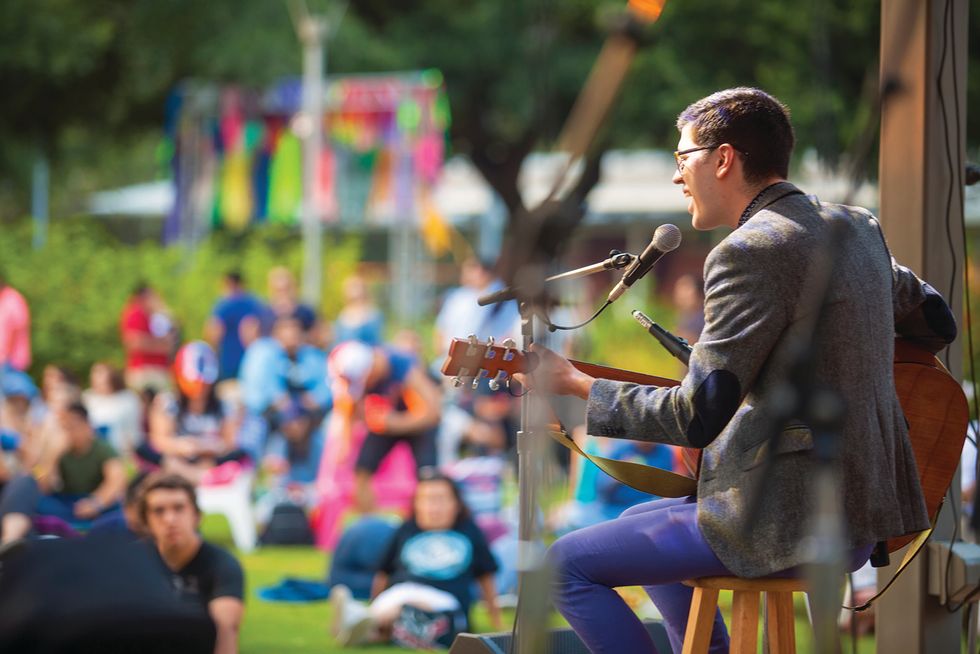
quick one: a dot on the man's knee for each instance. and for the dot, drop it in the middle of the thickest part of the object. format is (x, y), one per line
(653, 505)
(564, 556)
(634, 510)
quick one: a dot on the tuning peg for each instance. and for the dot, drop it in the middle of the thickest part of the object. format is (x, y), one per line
(476, 380)
(509, 347)
(499, 377)
(474, 343)
(458, 379)
(491, 352)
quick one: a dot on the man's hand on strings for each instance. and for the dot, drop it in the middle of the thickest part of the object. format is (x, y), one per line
(555, 374)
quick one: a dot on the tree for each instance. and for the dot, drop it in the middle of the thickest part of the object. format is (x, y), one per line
(513, 70)
(84, 76)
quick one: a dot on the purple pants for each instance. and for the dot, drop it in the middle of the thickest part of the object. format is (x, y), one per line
(657, 545)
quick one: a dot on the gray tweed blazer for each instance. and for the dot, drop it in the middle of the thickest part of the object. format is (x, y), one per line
(756, 306)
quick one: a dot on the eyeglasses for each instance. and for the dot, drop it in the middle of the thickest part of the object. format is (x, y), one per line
(680, 153)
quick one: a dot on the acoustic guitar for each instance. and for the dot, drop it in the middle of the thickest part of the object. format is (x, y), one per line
(933, 403)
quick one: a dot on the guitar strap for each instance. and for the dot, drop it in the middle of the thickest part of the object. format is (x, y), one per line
(648, 479)
(916, 546)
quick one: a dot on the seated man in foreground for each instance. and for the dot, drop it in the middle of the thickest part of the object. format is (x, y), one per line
(764, 301)
(201, 572)
(87, 482)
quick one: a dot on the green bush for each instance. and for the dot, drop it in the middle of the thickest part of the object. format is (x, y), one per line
(77, 284)
(616, 339)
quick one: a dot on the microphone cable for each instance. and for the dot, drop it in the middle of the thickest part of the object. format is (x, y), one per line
(553, 327)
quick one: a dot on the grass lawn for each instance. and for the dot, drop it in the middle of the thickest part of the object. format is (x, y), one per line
(290, 628)
(287, 628)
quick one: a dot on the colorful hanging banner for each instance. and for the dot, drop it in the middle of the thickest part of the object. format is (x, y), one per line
(237, 160)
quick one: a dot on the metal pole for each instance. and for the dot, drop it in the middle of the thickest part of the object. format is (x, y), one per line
(923, 55)
(40, 182)
(528, 629)
(312, 32)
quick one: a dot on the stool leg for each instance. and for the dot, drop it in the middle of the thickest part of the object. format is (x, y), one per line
(700, 621)
(780, 627)
(745, 622)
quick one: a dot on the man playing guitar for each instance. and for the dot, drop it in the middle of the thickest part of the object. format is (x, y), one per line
(732, 163)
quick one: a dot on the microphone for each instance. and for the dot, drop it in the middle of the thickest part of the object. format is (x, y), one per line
(677, 346)
(665, 239)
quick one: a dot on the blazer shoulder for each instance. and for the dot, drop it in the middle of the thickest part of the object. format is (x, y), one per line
(766, 234)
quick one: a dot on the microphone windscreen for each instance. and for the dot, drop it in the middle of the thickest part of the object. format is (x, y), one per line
(667, 237)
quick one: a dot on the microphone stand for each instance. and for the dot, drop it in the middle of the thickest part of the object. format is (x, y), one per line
(532, 589)
(615, 260)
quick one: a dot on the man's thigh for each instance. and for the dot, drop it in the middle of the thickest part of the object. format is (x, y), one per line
(658, 546)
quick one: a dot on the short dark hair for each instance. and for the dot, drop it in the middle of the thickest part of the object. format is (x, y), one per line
(433, 474)
(296, 315)
(134, 489)
(166, 481)
(753, 122)
(78, 409)
(234, 276)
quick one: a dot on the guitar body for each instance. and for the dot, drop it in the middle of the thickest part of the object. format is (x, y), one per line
(934, 406)
(932, 401)
(938, 416)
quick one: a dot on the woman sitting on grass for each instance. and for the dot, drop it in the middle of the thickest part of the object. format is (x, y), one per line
(431, 564)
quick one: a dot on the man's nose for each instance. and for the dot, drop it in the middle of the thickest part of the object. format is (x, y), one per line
(677, 178)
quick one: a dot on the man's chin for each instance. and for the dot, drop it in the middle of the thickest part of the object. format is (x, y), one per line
(174, 540)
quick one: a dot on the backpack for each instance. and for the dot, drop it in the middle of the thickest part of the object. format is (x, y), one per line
(287, 526)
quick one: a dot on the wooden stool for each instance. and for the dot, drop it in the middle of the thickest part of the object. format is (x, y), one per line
(744, 627)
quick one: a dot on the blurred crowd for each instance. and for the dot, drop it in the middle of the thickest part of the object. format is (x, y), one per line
(293, 426)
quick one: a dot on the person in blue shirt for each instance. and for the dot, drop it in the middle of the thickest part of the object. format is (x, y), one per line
(234, 323)
(284, 300)
(359, 319)
(461, 315)
(284, 384)
(613, 496)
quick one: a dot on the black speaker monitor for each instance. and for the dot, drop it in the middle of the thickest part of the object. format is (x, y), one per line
(558, 641)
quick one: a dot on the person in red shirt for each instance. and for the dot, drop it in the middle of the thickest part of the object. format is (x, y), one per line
(148, 338)
(15, 328)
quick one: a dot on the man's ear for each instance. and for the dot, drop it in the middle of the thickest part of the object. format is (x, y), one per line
(726, 161)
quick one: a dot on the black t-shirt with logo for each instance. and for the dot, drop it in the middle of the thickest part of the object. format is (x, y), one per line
(212, 573)
(449, 560)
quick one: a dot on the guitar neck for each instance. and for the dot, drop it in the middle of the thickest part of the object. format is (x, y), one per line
(616, 374)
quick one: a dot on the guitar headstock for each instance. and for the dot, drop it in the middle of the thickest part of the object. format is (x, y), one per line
(471, 360)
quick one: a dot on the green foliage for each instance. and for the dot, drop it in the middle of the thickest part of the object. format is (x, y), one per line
(78, 283)
(90, 76)
(615, 339)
